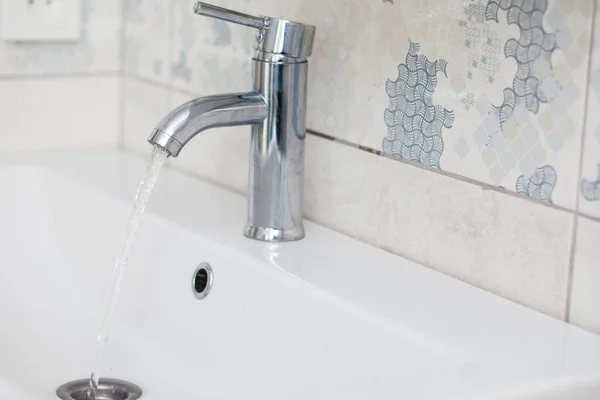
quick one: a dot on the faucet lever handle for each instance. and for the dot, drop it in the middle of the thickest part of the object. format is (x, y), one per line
(275, 35)
(225, 14)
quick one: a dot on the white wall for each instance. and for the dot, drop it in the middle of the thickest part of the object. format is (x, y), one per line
(64, 95)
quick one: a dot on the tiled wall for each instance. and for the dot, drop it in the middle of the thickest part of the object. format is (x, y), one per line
(60, 95)
(585, 301)
(450, 132)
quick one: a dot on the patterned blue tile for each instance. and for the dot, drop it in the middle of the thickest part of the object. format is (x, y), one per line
(591, 189)
(540, 185)
(414, 122)
(535, 45)
(482, 43)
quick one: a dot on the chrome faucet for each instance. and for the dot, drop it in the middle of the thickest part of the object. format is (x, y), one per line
(276, 110)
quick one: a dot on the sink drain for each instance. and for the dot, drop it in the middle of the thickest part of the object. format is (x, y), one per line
(108, 389)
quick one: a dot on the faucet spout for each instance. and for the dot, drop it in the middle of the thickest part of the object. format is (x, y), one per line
(195, 116)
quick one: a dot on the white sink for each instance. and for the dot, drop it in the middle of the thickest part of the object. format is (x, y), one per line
(327, 317)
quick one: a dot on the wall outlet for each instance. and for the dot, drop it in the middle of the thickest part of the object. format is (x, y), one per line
(40, 20)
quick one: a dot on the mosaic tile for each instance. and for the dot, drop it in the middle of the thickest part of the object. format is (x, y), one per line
(497, 35)
(589, 187)
(527, 164)
(414, 123)
(546, 121)
(511, 129)
(539, 185)
(468, 100)
(541, 103)
(518, 148)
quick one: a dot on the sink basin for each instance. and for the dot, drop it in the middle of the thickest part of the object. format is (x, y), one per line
(327, 317)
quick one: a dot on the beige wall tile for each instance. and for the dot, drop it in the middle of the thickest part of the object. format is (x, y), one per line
(511, 247)
(585, 297)
(53, 113)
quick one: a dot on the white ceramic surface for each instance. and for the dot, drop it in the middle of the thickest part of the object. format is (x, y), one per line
(323, 318)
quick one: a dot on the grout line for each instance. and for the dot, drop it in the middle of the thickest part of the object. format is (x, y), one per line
(170, 21)
(571, 269)
(170, 47)
(60, 75)
(346, 142)
(482, 185)
(121, 99)
(161, 85)
(121, 117)
(569, 288)
(589, 216)
(122, 40)
(170, 50)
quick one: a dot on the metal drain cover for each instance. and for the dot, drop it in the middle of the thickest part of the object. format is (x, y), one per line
(108, 389)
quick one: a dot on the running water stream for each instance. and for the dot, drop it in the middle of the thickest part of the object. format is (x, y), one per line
(155, 163)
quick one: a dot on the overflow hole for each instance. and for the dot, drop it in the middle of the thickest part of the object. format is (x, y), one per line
(202, 280)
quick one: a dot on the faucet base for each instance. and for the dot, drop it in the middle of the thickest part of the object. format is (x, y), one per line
(274, 235)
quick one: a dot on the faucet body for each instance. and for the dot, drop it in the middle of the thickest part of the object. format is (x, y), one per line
(276, 111)
(276, 170)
